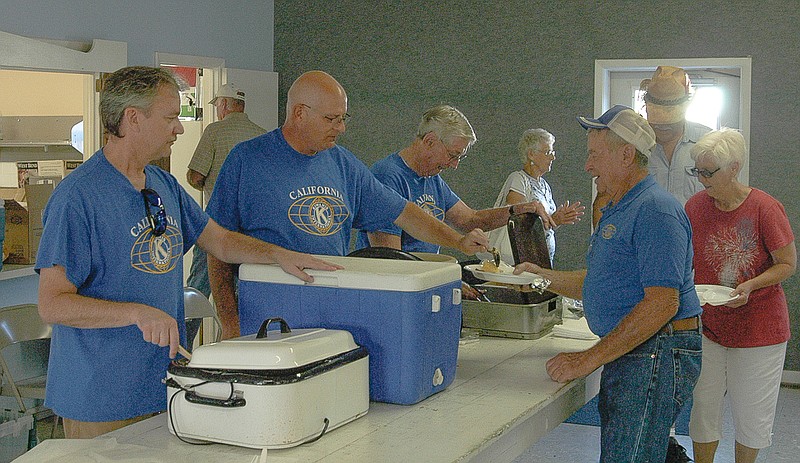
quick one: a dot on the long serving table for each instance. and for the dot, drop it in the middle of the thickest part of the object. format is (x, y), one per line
(499, 404)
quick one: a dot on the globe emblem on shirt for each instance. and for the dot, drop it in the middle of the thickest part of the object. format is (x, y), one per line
(319, 215)
(157, 254)
(432, 209)
(608, 231)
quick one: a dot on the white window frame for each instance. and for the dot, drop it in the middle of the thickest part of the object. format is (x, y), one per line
(602, 88)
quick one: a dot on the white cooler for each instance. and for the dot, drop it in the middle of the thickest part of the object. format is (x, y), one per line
(273, 389)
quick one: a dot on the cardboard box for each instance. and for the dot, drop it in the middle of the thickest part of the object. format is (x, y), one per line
(53, 168)
(15, 429)
(24, 221)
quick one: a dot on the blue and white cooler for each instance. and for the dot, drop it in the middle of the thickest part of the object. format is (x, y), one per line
(406, 313)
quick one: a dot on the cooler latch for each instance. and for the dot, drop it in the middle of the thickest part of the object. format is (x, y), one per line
(436, 303)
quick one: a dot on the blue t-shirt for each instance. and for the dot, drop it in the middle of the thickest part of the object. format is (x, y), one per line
(432, 194)
(96, 228)
(644, 240)
(268, 190)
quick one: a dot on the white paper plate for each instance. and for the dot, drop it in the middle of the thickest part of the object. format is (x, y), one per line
(524, 278)
(714, 294)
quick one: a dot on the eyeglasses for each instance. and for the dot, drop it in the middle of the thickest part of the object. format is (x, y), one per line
(158, 222)
(454, 155)
(333, 120)
(694, 172)
(549, 153)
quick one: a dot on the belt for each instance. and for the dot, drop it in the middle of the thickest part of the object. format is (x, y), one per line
(684, 324)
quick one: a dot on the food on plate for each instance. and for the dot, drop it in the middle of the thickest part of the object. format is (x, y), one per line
(489, 267)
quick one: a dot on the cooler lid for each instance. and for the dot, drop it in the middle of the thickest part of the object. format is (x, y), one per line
(363, 273)
(277, 350)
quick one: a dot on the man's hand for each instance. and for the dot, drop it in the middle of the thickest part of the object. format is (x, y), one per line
(295, 262)
(567, 366)
(157, 327)
(474, 241)
(568, 213)
(527, 267)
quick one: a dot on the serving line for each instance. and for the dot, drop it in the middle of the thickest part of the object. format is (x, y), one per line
(499, 404)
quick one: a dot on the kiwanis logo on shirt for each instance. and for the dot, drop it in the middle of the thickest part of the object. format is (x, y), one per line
(156, 254)
(318, 210)
(608, 231)
(427, 203)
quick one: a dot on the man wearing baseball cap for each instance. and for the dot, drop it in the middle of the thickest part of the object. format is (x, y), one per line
(637, 292)
(667, 97)
(218, 139)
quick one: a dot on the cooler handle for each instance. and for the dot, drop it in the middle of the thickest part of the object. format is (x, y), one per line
(233, 402)
(262, 332)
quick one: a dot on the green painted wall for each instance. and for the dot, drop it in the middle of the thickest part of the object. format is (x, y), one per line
(514, 65)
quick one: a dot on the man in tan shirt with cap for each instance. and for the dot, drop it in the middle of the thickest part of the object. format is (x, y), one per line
(217, 141)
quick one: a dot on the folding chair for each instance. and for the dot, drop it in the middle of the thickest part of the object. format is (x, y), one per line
(197, 307)
(21, 323)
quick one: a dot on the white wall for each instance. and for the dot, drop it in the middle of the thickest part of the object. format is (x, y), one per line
(239, 32)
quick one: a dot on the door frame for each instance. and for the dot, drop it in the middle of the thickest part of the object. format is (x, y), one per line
(99, 56)
(602, 86)
(216, 66)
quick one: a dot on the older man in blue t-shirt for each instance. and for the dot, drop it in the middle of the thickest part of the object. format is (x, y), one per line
(638, 294)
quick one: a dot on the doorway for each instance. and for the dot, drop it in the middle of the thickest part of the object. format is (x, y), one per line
(617, 82)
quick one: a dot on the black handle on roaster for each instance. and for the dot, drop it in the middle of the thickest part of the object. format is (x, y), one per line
(262, 332)
(233, 402)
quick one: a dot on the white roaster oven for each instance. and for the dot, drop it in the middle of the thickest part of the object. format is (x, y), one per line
(273, 389)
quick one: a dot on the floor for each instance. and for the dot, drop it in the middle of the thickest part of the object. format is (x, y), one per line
(581, 444)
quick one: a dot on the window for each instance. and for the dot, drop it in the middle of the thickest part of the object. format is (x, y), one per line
(705, 108)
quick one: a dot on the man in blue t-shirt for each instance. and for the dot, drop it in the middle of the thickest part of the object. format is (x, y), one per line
(297, 188)
(111, 262)
(443, 138)
(638, 295)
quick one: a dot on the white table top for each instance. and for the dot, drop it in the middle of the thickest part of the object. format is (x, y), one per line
(500, 403)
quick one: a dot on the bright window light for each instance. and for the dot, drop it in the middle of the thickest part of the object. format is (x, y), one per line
(705, 108)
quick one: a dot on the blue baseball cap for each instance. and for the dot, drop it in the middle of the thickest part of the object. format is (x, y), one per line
(626, 123)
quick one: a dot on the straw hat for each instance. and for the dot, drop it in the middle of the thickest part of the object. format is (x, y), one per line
(667, 95)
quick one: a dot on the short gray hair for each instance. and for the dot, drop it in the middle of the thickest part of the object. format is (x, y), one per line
(724, 147)
(533, 139)
(236, 104)
(133, 86)
(447, 123)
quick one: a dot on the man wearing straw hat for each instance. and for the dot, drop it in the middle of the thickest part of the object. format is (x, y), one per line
(667, 97)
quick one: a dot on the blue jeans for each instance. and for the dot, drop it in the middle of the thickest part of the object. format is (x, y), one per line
(641, 394)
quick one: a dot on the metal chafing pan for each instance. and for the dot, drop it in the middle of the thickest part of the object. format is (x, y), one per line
(505, 311)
